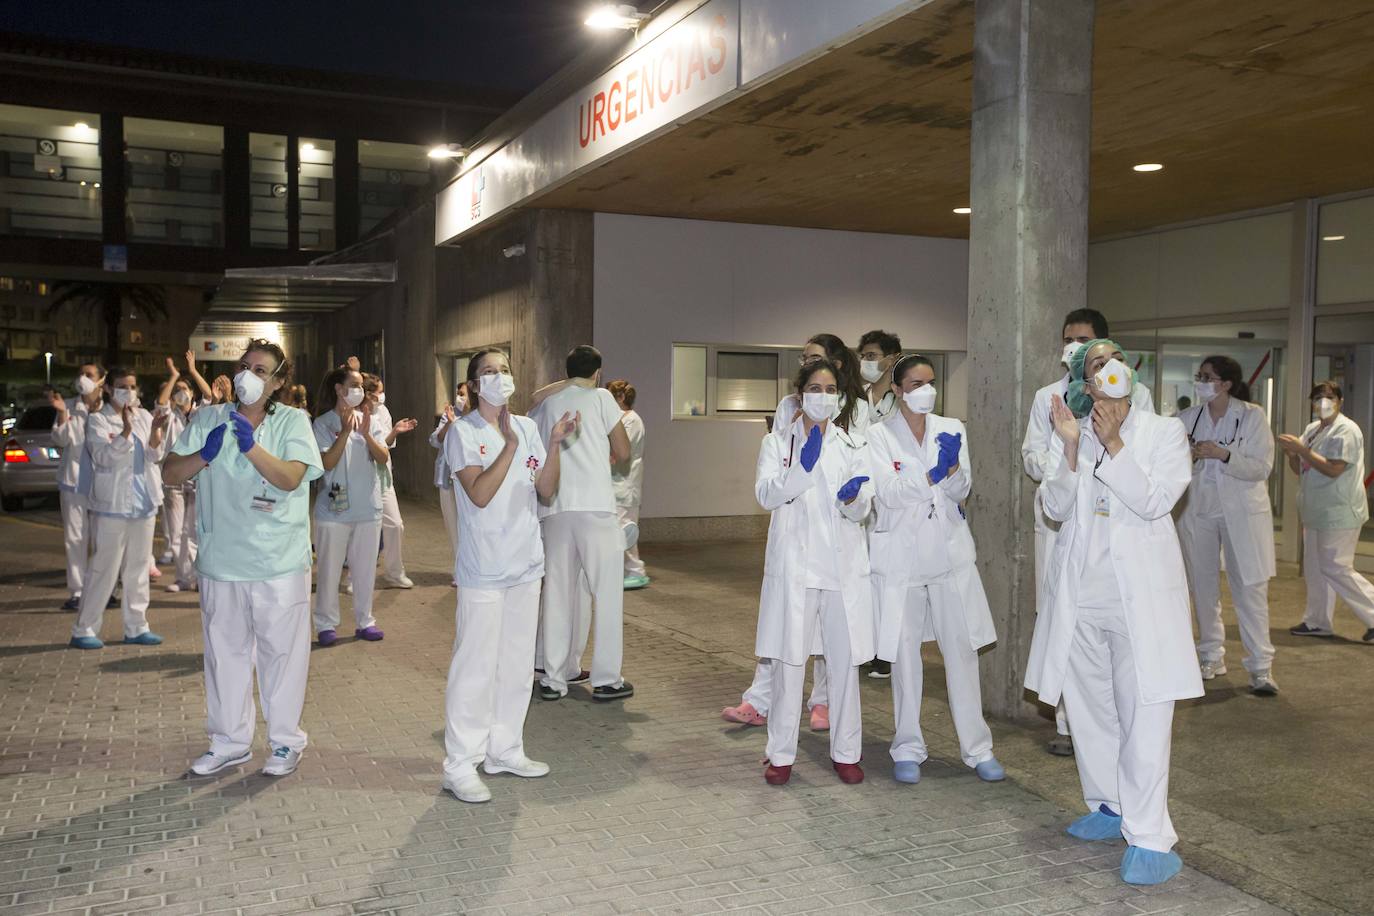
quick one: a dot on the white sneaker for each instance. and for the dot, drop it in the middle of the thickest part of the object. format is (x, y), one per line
(1213, 669)
(174, 587)
(166, 559)
(210, 763)
(1264, 685)
(283, 762)
(348, 588)
(469, 788)
(402, 582)
(521, 766)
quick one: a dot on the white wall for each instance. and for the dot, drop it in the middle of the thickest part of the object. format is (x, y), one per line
(660, 281)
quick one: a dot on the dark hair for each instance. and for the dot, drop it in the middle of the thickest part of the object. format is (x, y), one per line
(1228, 370)
(328, 399)
(888, 343)
(906, 364)
(804, 378)
(845, 365)
(283, 370)
(583, 361)
(371, 382)
(118, 372)
(99, 369)
(622, 390)
(299, 397)
(1089, 316)
(476, 361)
(1328, 389)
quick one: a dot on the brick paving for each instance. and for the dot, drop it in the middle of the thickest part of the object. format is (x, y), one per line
(653, 806)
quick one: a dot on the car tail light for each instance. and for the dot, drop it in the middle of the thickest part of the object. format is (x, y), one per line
(14, 453)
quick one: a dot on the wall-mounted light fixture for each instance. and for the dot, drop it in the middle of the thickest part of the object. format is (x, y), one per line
(610, 16)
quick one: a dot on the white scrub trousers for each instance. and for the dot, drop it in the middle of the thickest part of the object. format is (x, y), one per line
(336, 542)
(173, 518)
(393, 536)
(488, 689)
(760, 692)
(1205, 540)
(823, 610)
(121, 552)
(1328, 564)
(1045, 538)
(1120, 744)
(187, 548)
(262, 625)
(578, 544)
(937, 602)
(634, 566)
(448, 505)
(76, 533)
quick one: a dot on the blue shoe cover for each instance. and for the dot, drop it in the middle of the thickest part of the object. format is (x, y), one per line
(1102, 824)
(907, 771)
(1146, 866)
(143, 639)
(86, 642)
(990, 770)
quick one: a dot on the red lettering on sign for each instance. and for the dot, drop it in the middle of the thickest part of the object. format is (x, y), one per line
(718, 42)
(584, 133)
(665, 92)
(599, 113)
(696, 63)
(630, 92)
(646, 78)
(613, 106)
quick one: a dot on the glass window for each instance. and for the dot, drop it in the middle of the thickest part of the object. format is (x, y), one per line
(1343, 351)
(390, 177)
(267, 191)
(49, 173)
(176, 182)
(1345, 252)
(746, 381)
(689, 381)
(317, 194)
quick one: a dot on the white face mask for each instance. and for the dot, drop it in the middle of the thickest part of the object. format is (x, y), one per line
(820, 406)
(871, 370)
(84, 386)
(381, 398)
(123, 397)
(248, 387)
(181, 398)
(1070, 349)
(353, 396)
(495, 389)
(1113, 379)
(1326, 408)
(1205, 391)
(920, 400)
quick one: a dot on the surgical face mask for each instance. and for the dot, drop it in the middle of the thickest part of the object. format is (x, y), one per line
(353, 396)
(871, 370)
(124, 397)
(1113, 379)
(182, 398)
(84, 386)
(1070, 349)
(820, 406)
(381, 397)
(1326, 408)
(920, 400)
(1205, 392)
(248, 388)
(495, 389)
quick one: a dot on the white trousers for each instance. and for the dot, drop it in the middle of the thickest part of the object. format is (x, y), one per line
(578, 544)
(937, 602)
(823, 610)
(488, 689)
(1045, 538)
(760, 692)
(634, 566)
(121, 552)
(1121, 745)
(448, 505)
(393, 536)
(1203, 543)
(173, 518)
(335, 542)
(187, 547)
(76, 532)
(262, 625)
(1328, 564)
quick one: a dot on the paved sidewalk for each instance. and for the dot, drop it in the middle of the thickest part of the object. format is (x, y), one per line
(654, 805)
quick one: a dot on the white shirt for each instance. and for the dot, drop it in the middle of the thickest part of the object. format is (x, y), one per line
(499, 546)
(627, 478)
(886, 406)
(1334, 503)
(584, 479)
(358, 497)
(1223, 432)
(1099, 587)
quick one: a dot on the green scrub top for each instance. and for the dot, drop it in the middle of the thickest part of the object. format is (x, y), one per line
(249, 530)
(1334, 503)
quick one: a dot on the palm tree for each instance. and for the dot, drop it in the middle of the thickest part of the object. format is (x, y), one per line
(108, 301)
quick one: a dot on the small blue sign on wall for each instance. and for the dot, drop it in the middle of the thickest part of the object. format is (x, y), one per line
(116, 258)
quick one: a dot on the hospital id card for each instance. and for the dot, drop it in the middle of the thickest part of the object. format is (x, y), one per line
(1103, 508)
(264, 504)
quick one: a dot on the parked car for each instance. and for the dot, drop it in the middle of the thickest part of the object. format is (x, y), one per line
(31, 459)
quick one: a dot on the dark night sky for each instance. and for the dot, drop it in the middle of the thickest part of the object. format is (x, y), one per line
(501, 44)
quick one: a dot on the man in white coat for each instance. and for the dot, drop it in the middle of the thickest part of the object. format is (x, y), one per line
(69, 435)
(1114, 637)
(1041, 451)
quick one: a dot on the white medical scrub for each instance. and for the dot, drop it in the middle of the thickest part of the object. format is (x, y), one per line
(348, 522)
(499, 566)
(582, 538)
(443, 482)
(393, 526)
(179, 508)
(70, 437)
(254, 566)
(1334, 509)
(627, 479)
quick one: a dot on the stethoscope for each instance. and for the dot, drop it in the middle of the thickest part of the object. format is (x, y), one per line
(1235, 432)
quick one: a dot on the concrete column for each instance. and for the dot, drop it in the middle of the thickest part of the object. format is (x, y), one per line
(1028, 266)
(1297, 364)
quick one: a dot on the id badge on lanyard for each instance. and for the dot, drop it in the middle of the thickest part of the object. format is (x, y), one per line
(262, 502)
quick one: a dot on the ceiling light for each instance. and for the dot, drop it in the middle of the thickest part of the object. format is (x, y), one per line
(963, 211)
(1148, 167)
(1332, 238)
(447, 151)
(82, 125)
(621, 16)
(307, 147)
(96, 185)
(83, 184)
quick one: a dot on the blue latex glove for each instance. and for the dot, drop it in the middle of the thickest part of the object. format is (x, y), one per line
(850, 489)
(811, 450)
(243, 431)
(949, 445)
(213, 442)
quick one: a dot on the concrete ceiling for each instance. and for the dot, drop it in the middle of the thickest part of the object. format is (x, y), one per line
(1246, 104)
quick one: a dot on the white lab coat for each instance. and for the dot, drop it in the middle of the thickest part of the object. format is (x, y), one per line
(1242, 489)
(920, 532)
(70, 437)
(1146, 479)
(779, 481)
(109, 461)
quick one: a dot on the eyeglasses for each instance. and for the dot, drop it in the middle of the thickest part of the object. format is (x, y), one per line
(1206, 378)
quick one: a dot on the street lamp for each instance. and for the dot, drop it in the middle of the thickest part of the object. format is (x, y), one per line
(47, 361)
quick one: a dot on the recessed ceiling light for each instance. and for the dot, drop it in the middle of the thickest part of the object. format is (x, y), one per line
(1332, 238)
(1148, 167)
(307, 147)
(82, 125)
(963, 211)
